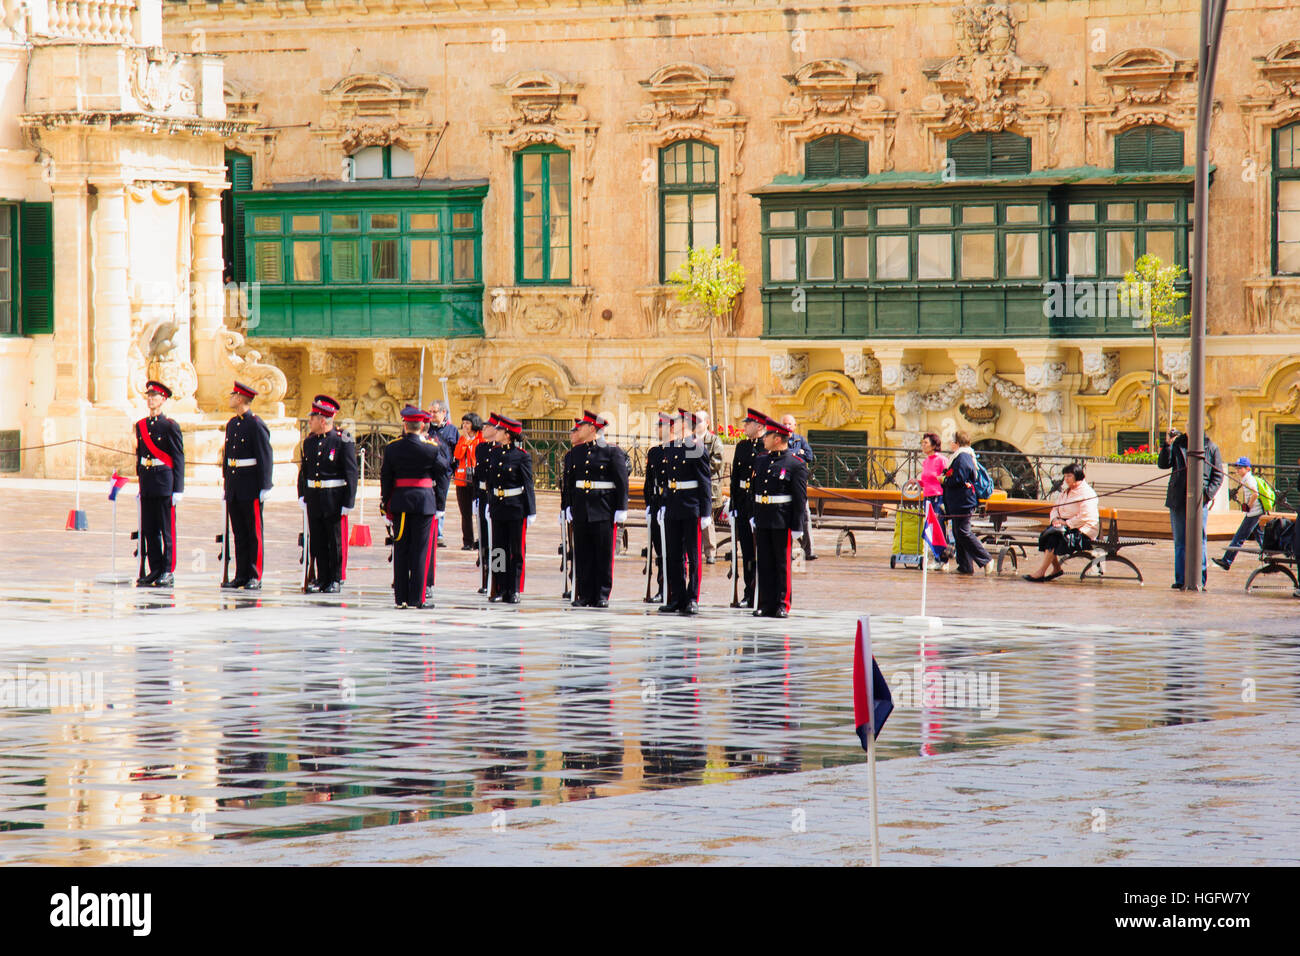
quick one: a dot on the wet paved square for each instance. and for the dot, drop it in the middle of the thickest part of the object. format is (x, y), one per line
(210, 717)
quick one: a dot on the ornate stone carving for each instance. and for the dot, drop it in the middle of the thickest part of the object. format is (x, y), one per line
(1273, 304)
(986, 87)
(835, 96)
(375, 109)
(945, 396)
(681, 391)
(376, 405)
(832, 407)
(530, 312)
(662, 314)
(289, 361)
(1273, 102)
(863, 368)
(535, 397)
(247, 366)
(790, 369)
(689, 101)
(896, 376)
(1101, 367)
(1045, 375)
(154, 77)
(1178, 366)
(1141, 86)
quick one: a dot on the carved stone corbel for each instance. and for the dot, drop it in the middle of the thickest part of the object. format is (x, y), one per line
(789, 369)
(864, 369)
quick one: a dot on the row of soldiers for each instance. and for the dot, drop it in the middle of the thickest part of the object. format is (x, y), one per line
(767, 497)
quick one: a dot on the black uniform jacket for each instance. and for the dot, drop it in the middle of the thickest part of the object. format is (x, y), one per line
(159, 481)
(328, 457)
(596, 462)
(247, 437)
(412, 457)
(685, 462)
(777, 474)
(742, 470)
(511, 467)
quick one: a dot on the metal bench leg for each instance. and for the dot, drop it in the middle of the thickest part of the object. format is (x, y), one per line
(1271, 569)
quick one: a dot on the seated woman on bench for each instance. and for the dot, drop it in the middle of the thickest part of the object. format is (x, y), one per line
(1075, 523)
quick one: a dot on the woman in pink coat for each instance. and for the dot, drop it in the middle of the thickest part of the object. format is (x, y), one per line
(1075, 523)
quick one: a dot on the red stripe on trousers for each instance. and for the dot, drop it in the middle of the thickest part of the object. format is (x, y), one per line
(699, 572)
(257, 529)
(172, 532)
(343, 568)
(613, 550)
(428, 552)
(788, 577)
(523, 553)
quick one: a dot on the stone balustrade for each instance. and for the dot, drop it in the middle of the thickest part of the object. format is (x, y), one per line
(87, 21)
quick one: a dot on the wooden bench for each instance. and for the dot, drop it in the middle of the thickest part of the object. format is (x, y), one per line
(1105, 548)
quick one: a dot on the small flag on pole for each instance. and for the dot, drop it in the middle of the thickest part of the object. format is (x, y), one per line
(933, 533)
(868, 699)
(118, 482)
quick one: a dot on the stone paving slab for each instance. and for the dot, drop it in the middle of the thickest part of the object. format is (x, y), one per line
(1222, 793)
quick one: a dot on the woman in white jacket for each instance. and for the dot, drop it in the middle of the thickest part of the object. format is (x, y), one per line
(1074, 524)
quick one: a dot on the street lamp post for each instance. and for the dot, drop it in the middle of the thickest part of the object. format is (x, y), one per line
(1212, 12)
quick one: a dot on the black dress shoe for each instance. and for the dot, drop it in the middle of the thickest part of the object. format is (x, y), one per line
(810, 557)
(668, 609)
(494, 597)
(428, 594)
(655, 599)
(511, 599)
(469, 547)
(253, 584)
(690, 610)
(332, 588)
(166, 580)
(780, 612)
(759, 612)
(710, 560)
(313, 588)
(601, 603)
(482, 590)
(146, 581)
(237, 583)
(576, 603)
(1176, 587)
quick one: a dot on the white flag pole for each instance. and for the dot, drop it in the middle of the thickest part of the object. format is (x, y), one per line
(864, 624)
(923, 622)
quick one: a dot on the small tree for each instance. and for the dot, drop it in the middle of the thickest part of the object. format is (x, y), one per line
(1150, 293)
(712, 283)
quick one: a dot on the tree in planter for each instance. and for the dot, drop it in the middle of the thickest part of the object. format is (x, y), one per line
(712, 283)
(1150, 292)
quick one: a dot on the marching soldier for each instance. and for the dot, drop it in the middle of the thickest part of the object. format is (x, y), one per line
(246, 465)
(780, 491)
(327, 491)
(742, 502)
(512, 509)
(160, 468)
(485, 463)
(685, 511)
(409, 495)
(653, 495)
(596, 494)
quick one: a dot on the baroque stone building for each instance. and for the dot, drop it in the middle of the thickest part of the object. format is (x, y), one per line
(934, 202)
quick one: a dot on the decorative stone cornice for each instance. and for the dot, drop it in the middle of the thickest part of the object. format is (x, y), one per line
(1142, 86)
(142, 122)
(526, 312)
(865, 371)
(375, 109)
(835, 96)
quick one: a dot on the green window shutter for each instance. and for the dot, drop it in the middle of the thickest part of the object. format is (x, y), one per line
(970, 153)
(1286, 445)
(1148, 148)
(1008, 154)
(1166, 148)
(835, 156)
(1127, 440)
(240, 170)
(36, 268)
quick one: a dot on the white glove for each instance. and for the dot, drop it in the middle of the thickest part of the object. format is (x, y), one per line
(440, 514)
(568, 514)
(752, 526)
(648, 519)
(705, 522)
(176, 497)
(531, 519)
(620, 517)
(264, 494)
(347, 510)
(487, 512)
(302, 501)
(662, 514)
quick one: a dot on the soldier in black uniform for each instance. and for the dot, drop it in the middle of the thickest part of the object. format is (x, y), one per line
(512, 509)
(160, 468)
(327, 491)
(566, 512)
(686, 509)
(780, 491)
(596, 494)
(246, 465)
(485, 461)
(409, 495)
(652, 493)
(742, 502)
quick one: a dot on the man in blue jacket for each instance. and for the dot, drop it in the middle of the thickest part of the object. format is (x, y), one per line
(960, 502)
(800, 447)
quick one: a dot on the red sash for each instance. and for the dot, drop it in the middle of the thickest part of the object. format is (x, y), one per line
(154, 450)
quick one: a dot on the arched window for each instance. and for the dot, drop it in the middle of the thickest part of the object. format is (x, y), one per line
(1286, 200)
(1148, 149)
(383, 162)
(989, 154)
(688, 202)
(835, 157)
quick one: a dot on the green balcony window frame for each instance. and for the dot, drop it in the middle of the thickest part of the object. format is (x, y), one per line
(547, 278)
(1286, 170)
(1103, 225)
(696, 153)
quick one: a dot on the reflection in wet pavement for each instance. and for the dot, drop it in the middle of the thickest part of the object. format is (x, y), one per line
(306, 716)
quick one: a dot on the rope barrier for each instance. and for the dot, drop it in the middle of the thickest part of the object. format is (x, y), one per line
(120, 451)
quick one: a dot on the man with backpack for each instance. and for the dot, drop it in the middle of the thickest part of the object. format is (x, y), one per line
(961, 483)
(1257, 497)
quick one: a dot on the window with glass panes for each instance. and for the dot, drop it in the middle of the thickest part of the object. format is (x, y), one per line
(8, 263)
(907, 241)
(688, 202)
(1286, 200)
(383, 162)
(1103, 236)
(542, 215)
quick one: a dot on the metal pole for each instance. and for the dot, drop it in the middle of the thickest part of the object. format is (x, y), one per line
(420, 398)
(1212, 12)
(361, 487)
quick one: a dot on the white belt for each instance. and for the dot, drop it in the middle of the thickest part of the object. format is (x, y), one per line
(328, 483)
(152, 463)
(507, 492)
(773, 499)
(597, 485)
(241, 462)
(482, 486)
(682, 485)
